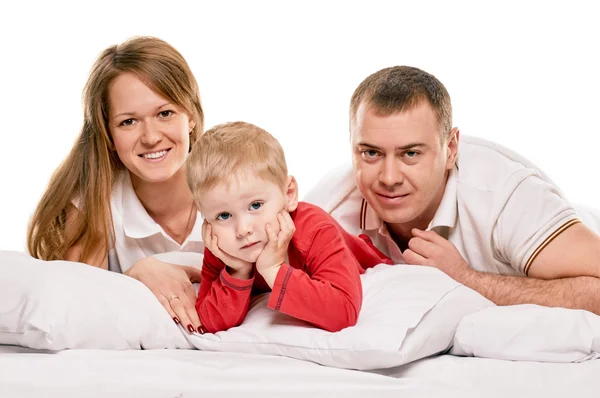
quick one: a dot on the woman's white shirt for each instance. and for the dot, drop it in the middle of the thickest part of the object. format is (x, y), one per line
(137, 235)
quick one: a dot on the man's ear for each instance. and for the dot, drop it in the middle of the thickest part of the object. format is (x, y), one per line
(452, 148)
(291, 192)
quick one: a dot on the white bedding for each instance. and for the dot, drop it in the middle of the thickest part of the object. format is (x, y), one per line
(190, 373)
(408, 313)
(185, 373)
(493, 377)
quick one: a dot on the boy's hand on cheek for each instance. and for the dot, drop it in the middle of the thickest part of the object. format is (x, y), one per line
(273, 255)
(236, 267)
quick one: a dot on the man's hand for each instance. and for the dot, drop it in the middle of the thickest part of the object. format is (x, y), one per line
(236, 267)
(273, 255)
(428, 248)
(172, 286)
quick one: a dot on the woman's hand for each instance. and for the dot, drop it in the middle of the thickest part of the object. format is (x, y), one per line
(172, 285)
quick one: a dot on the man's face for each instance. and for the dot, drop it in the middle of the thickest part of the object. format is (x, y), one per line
(400, 163)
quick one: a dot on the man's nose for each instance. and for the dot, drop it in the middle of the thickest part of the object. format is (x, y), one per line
(391, 172)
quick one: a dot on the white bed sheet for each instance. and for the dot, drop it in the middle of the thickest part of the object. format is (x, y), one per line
(504, 378)
(185, 373)
(191, 373)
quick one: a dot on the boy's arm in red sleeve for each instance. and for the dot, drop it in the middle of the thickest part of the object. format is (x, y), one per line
(223, 300)
(329, 294)
(365, 252)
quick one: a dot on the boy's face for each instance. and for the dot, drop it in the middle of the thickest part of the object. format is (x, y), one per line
(239, 209)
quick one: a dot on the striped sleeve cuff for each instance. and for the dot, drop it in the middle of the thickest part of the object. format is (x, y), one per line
(547, 241)
(234, 283)
(280, 286)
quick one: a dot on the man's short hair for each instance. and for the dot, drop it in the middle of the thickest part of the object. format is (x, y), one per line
(398, 88)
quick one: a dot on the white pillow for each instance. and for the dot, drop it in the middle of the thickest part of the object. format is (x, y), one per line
(529, 333)
(192, 259)
(408, 313)
(57, 305)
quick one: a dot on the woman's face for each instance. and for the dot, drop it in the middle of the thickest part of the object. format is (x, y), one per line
(150, 133)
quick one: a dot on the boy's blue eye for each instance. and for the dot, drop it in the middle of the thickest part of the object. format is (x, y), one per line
(223, 216)
(255, 205)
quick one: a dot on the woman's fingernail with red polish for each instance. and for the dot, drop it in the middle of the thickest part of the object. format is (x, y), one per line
(191, 329)
(201, 330)
(176, 320)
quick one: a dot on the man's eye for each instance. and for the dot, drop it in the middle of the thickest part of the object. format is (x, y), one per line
(256, 205)
(369, 153)
(411, 154)
(223, 216)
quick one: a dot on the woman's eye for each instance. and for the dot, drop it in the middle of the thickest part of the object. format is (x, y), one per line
(255, 205)
(127, 122)
(165, 114)
(223, 216)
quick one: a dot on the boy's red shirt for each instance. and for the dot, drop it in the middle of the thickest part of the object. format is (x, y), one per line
(320, 285)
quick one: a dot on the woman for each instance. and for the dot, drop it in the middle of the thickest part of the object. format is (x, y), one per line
(121, 195)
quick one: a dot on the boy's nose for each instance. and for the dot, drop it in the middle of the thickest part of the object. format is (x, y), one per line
(243, 229)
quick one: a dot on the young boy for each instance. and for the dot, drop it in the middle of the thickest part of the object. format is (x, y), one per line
(259, 238)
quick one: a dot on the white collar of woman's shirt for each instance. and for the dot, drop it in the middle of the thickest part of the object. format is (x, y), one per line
(137, 223)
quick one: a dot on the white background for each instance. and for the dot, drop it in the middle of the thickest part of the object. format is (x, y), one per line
(525, 74)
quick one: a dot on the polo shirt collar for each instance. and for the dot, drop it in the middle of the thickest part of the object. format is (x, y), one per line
(138, 224)
(446, 214)
(196, 234)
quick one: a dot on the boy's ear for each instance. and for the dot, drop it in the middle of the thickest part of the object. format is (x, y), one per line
(292, 194)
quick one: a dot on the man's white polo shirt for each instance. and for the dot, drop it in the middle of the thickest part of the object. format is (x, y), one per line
(137, 235)
(498, 209)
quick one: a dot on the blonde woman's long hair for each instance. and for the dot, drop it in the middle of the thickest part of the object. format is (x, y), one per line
(85, 177)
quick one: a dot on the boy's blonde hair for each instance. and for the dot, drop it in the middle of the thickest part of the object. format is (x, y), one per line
(230, 150)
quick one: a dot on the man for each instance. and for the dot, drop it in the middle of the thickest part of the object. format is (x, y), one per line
(482, 214)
